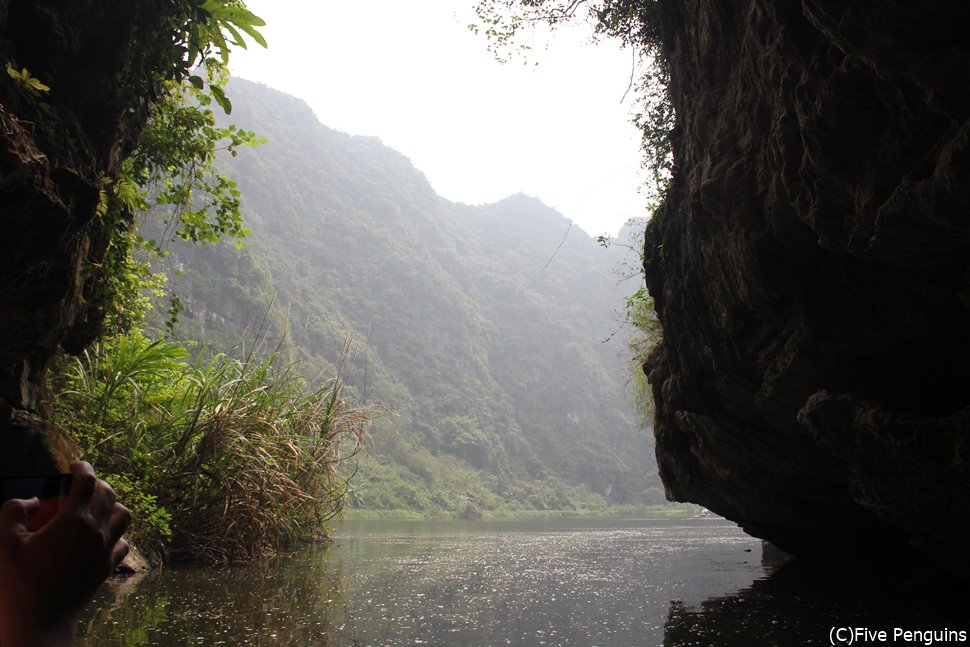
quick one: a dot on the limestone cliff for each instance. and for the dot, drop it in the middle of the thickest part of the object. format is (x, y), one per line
(55, 147)
(811, 271)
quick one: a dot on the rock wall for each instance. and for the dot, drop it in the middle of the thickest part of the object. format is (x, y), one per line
(55, 148)
(811, 272)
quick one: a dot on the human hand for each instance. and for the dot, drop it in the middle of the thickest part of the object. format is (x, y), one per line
(47, 576)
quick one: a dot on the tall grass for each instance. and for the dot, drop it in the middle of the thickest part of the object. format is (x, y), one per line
(222, 459)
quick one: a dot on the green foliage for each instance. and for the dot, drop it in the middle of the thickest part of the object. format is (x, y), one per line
(171, 178)
(499, 389)
(638, 313)
(445, 486)
(645, 338)
(129, 285)
(216, 27)
(634, 22)
(153, 521)
(204, 33)
(173, 167)
(223, 459)
(655, 120)
(460, 436)
(30, 83)
(171, 173)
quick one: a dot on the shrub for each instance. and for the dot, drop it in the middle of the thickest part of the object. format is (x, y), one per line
(222, 458)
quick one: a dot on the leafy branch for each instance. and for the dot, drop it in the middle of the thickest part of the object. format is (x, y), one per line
(171, 173)
(31, 83)
(213, 29)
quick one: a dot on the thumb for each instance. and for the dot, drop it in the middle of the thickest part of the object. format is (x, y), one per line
(17, 512)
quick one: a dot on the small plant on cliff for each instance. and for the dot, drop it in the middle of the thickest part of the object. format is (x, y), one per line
(29, 82)
(222, 459)
(638, 312)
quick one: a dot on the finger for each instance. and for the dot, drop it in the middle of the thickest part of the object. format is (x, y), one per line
(118, 553)
(13, 523)
(103, 500)
(82, 485)
(17, 512)
(119, 522)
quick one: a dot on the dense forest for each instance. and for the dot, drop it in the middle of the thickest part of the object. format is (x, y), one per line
(487, 339)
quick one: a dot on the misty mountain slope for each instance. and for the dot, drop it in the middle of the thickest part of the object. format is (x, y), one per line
(482, 340)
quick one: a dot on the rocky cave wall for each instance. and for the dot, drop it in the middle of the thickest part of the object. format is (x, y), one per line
(810, 272)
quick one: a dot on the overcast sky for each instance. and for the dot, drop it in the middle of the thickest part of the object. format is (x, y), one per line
(412, 74)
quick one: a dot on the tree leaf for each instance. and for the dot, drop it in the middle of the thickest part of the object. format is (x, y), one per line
(220, 96)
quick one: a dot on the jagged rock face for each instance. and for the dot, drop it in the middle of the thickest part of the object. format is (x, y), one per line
(55, 147)
(811, 271)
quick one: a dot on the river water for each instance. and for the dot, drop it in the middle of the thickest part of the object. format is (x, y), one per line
(551, 582)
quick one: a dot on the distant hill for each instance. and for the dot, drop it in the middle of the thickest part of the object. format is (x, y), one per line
(479, 336)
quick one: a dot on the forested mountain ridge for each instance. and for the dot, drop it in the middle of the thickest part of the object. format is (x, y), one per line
(479, 335)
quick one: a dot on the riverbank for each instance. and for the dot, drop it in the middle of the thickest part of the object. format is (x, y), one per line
(670, 511)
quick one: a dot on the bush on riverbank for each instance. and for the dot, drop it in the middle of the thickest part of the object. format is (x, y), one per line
(218, 458)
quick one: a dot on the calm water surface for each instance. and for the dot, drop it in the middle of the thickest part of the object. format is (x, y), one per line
(551, 582)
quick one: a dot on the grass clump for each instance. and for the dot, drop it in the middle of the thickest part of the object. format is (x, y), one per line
(221, 459)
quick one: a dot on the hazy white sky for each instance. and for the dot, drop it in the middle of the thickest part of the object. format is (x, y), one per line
(412, 74)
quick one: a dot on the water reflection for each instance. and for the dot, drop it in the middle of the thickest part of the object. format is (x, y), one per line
(291, 600)
(544, 583)
(513, 583)
(800, 603)
(405, 583)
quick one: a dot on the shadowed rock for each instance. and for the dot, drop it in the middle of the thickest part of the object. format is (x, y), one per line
(57, 148)
(810, 271)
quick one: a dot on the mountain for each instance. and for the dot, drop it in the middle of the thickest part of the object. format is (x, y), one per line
(479, 331)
